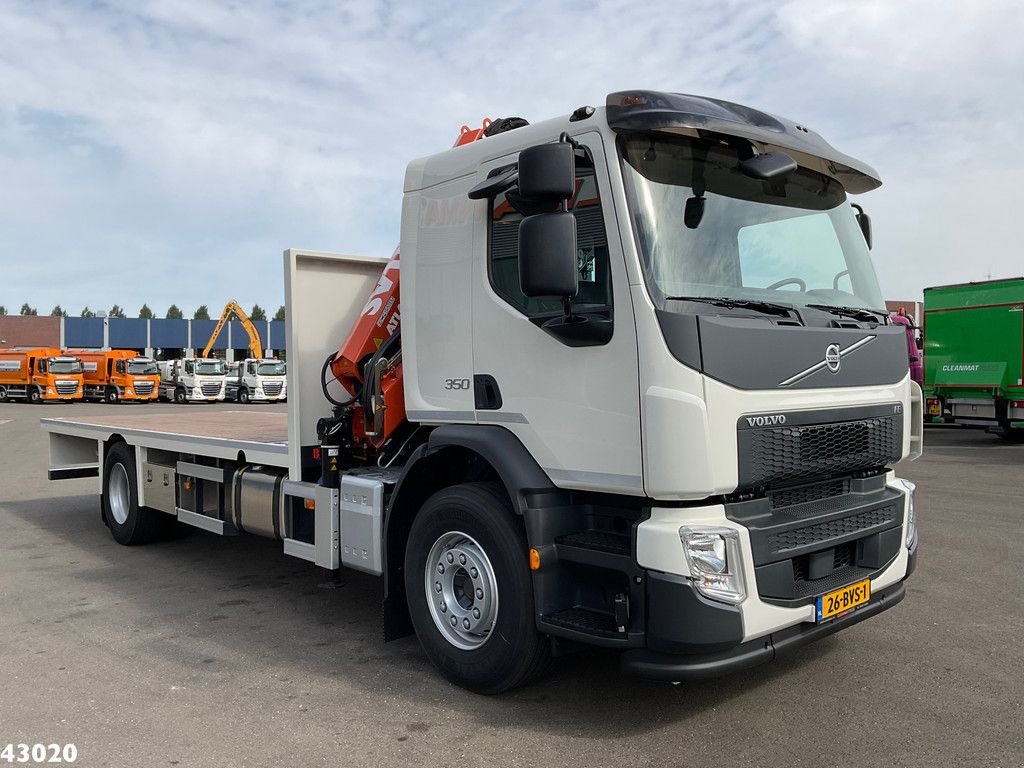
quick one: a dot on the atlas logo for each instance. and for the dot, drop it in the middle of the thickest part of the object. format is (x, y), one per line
(767, 421)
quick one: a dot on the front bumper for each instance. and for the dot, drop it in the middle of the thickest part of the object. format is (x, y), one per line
(691, 638)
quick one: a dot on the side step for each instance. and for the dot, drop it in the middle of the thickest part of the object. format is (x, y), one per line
(584, 620)
(604, 549)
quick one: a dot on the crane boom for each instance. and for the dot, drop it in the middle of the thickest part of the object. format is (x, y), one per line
(255, 343)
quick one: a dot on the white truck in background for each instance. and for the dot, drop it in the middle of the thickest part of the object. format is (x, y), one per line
(255, 380)
(643, 394)
(193, 380)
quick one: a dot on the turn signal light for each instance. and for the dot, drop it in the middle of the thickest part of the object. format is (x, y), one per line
(534, 559)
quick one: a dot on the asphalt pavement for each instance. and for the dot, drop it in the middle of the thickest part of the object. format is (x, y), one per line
(206, 651)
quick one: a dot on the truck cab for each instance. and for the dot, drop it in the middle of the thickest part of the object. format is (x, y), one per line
(686, 344)
(257, 380)
(192, 379)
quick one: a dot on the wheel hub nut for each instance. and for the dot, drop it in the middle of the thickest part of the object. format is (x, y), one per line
(454, 621)
(465, 623)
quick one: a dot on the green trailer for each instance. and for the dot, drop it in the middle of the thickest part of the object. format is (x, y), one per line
(974, 354)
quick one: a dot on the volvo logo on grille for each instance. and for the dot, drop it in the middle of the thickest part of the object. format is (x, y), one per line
(767, 421)
(834, 355)
(832, 358)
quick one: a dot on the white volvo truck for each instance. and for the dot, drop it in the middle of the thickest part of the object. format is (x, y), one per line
(645, 396)
(193, 379)
(257, 380)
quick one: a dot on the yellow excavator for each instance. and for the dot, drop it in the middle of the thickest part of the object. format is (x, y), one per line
(232, 308)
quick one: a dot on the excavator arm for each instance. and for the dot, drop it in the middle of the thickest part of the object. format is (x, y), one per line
(255, 343)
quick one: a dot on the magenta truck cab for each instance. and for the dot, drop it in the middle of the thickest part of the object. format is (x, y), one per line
(913, 353)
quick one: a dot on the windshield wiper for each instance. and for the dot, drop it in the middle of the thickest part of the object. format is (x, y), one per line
(722, 301)
(857, 313)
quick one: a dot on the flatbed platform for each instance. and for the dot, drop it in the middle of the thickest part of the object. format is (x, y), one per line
(260, 436)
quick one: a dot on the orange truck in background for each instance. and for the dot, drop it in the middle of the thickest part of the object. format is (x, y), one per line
(114, 375)
(38, 375)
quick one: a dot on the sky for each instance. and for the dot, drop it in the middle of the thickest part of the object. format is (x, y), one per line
(168, 151)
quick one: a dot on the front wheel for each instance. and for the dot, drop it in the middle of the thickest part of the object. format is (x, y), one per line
(112, 396)
(469, 589)
(3, 394)
(180, 397)
(35, 396)
(242, 396)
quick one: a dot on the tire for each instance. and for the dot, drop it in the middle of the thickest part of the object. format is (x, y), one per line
(34, 395)
(3, 394)
(501, 648)
(180, 397)
(112, 396)
(242, 396)
(128, 522)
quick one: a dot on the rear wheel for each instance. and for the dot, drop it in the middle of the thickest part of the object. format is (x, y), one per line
(179, 396)
(35, 396)
(129, 523)
(112, 395)
(469, 589)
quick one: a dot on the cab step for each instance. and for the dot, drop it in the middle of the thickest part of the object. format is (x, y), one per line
(586, 621)
(604, 549)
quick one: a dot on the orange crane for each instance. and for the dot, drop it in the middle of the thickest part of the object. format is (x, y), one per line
(369, 362)
(255, 344)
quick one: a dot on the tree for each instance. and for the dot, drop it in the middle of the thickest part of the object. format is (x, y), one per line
(202, 313)
(279, 315)
(27, 310)
(57, 311)
(145, 312)
(3, 310)
(258, 313)
(87, 313)
(116, 311)
(173, 313)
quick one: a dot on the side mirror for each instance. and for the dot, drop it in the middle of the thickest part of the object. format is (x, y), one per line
(547, 172)
(547, 255)
(864, 222)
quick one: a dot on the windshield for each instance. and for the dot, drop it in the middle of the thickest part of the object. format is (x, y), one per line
(65, 366)
(271, 369)
(210, 368)
(142, 368)
(792, 241)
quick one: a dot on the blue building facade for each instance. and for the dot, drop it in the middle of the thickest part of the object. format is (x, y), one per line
(150, 336)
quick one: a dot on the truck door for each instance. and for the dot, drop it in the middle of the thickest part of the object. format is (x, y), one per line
(575, 408)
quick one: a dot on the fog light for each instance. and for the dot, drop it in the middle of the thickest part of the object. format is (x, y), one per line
(911, 537)
(713, 555)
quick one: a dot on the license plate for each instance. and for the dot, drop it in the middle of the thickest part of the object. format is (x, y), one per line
(840, 601)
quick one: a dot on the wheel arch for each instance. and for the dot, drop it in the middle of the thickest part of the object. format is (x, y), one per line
(452, 455)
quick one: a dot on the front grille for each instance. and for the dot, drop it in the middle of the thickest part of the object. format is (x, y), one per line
(788, 497)
(210, 390)
(775, 455)
(272, 388)
(821, 533)
(66, 387)
(144, 388)
(842, 557)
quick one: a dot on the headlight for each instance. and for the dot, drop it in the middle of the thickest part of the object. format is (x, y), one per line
(910, 488)
(713, 555)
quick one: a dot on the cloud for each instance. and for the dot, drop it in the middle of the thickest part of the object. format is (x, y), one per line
(169, 151)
